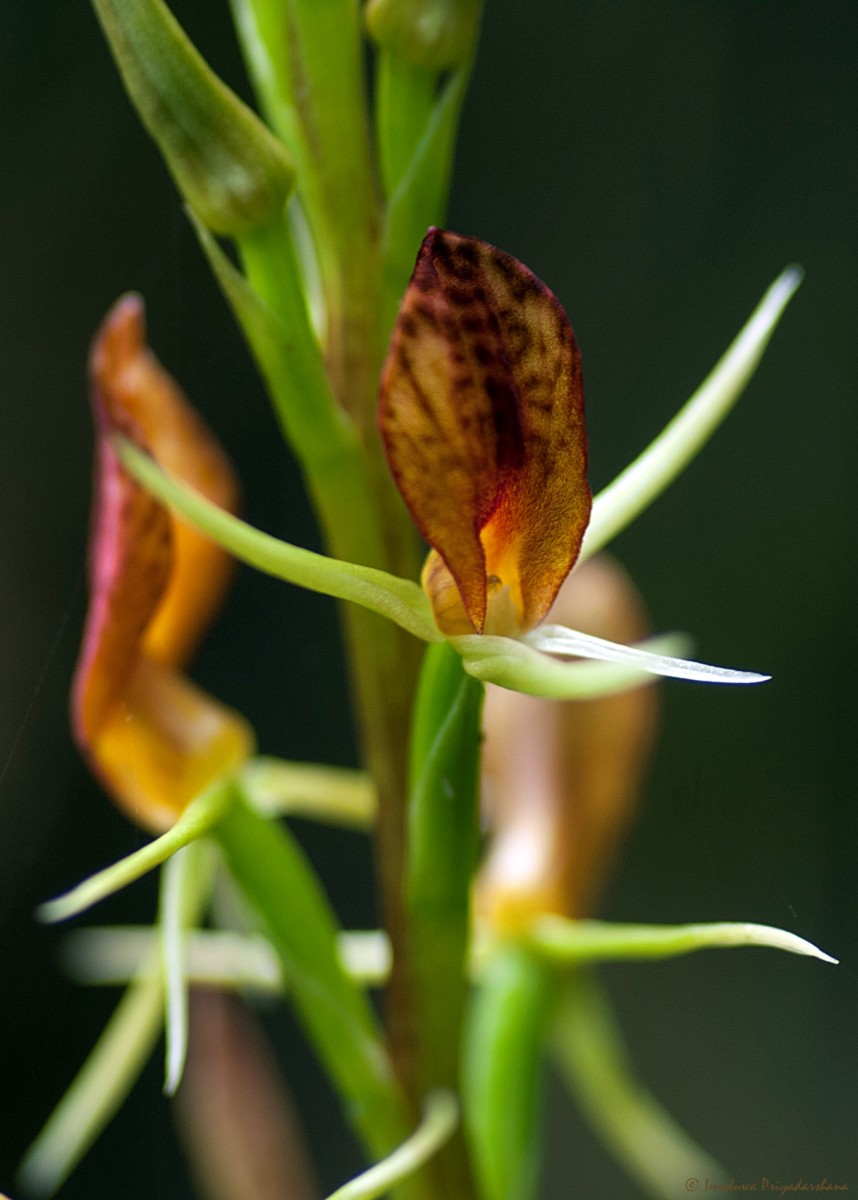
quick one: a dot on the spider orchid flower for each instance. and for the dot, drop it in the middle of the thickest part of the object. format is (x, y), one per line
(153, 738)
(482, 417)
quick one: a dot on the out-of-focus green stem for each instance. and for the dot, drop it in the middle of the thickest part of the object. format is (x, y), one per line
(306, 61)
(443, 836)
(589, 1051)
(271, 870)
(505, 1046)
(405, 98)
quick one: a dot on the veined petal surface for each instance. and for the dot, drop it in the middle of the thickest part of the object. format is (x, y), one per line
(481, 413)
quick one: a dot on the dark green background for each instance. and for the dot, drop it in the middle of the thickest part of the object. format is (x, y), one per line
(657, 164)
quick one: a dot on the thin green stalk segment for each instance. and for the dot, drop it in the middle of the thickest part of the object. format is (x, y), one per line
(442, 826)
(420, 195)
(590, 1054)
(506, 1036)
(398, 599)
(203, 812)
(442, 850)
(270, 869)
(405, 98)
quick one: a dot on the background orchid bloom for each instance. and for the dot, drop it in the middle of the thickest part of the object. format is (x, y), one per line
(561, 780)
(482, 417)
(153, 738)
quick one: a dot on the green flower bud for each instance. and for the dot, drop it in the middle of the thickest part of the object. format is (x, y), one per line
(437, 34)
(228, 166)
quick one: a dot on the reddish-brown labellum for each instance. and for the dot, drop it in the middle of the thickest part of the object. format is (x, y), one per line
(482, 416)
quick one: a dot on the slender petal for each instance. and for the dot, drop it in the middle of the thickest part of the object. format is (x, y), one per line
(556, 639)
(635, 488)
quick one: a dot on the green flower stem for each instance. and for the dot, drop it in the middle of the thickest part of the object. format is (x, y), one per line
(270, 869)
(419, 198)
(443, 832)
(589, 1051)
(306, 62)
(506, 1036)
(405, 98)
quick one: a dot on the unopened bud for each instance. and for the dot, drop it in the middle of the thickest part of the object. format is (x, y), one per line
(436, 34)
(560, 780)
(226, 163)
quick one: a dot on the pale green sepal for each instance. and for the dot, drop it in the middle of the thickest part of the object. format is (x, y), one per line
(112, 954)
(665, 1162)
(557, 639)
(112, 1066)
(514, 665)
(100, 1086)
(440, 1118)
(399, 600)
(335, 795)
(185, 883)
(567, 941)
(229, 167)
(204, 811)
(617, 505)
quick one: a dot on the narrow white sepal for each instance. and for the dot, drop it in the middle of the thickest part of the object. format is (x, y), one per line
(558, 640)
(635, 488)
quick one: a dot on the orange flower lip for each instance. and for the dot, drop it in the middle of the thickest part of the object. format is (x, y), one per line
(481, 413)
(155, 583)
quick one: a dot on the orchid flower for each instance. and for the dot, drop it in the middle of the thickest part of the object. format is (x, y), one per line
(153, 738)
(481, 416)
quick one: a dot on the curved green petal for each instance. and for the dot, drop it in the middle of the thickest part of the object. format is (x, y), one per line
(617, 505)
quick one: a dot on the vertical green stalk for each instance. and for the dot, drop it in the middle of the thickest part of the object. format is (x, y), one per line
(443, 834)
(306, 60)
(592, 1059)
(270, 869)
(505, 1045)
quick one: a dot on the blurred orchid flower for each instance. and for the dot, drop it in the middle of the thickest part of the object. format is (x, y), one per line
(153, 738)
(561, 781)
